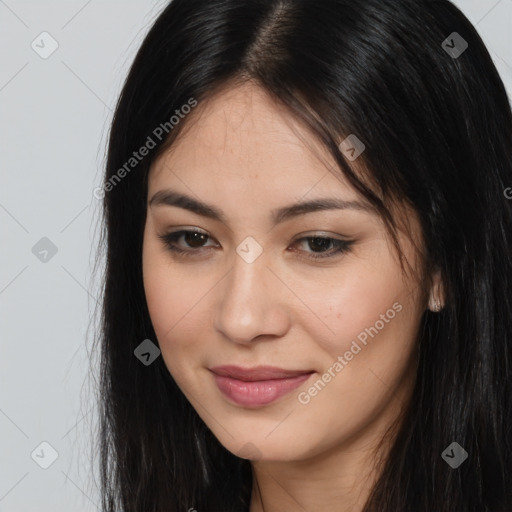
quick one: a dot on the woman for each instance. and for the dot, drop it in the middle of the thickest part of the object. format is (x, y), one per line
(307, 292)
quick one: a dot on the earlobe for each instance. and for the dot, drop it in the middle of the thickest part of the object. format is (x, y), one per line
(437, 296)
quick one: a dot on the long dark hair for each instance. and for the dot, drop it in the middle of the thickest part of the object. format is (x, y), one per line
(437, 127)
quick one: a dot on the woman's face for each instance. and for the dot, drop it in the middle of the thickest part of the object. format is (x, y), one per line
(250, 293)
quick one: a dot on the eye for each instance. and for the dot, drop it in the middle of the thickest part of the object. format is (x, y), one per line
(324, 247)
(195, 240)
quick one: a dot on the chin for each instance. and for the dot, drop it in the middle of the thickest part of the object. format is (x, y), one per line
(256, 448)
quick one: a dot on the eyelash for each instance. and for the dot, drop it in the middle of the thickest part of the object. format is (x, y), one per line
(169, 239)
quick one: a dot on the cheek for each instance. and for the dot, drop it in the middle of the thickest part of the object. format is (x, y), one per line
(360, 302)
(163, 304)
(373, 318)
(180, 314)
(168, 297)
(178, 336)
(364, 366)
(170, 294)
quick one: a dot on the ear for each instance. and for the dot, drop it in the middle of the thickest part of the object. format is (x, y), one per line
(437, 296)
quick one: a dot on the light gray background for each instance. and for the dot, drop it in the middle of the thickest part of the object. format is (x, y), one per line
(54, 119)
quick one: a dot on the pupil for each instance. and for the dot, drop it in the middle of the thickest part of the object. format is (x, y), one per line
(195, 239)
(319, 243)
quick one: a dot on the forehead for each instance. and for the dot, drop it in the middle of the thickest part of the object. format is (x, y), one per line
(243, 135)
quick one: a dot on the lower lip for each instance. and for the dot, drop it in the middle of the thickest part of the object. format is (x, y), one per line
(257, 393)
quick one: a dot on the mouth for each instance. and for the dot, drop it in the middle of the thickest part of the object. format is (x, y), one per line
(257, 386)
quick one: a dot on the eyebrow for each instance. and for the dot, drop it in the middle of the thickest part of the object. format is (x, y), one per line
(171, 198)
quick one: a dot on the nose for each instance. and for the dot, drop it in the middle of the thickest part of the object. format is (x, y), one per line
(251, 303)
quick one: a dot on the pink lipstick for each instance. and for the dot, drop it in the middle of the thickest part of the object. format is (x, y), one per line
(257, 386)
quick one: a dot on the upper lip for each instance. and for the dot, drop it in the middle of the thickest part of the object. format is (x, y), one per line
(257, 372)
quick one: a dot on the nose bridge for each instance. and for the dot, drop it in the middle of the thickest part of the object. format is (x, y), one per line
(246, 306)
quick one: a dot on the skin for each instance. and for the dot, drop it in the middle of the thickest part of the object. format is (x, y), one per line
(245, 155)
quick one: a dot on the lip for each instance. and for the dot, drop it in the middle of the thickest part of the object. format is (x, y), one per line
(257, 386)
